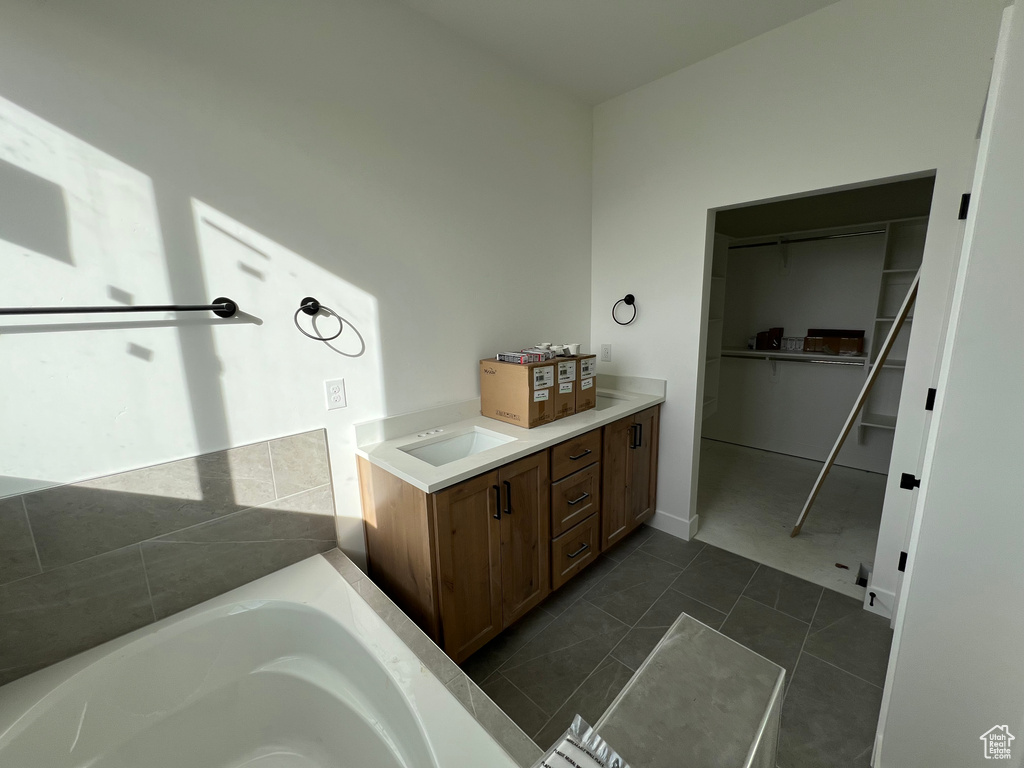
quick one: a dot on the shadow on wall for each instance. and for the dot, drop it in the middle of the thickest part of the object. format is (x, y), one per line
(81, 564)
(86, 396)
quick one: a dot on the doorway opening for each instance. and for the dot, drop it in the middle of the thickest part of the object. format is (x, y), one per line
(803, 292)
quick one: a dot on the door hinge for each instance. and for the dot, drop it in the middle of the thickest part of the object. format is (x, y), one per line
(929, 403)
(902, 567)
(909, 482)
(965, 203)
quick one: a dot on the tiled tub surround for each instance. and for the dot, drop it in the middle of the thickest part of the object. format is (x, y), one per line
(84, 563)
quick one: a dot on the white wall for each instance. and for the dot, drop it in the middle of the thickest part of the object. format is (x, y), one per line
(957, 669)
(350, 150)
(794, 407)
(861, 90)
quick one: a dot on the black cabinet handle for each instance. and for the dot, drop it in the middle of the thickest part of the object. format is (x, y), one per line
(508, 497)
(578, 551)
(580, 456)
(581, 498)
(497, 502)
(634, 441)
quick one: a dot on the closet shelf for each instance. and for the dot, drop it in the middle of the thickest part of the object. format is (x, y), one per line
(878, 421)
(803, 357)
(899, 271)
(892, 320)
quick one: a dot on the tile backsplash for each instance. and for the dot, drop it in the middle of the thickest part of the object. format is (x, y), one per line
(81, 564)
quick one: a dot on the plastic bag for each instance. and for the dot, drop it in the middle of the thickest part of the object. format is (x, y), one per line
(581, 747)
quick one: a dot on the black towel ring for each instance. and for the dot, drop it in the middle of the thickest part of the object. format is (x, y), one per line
(630, 301)
(312, 307)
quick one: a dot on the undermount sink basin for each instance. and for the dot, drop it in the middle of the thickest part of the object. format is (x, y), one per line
(448, 449)
(605, 400)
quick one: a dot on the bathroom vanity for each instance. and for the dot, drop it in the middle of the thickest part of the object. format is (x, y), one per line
(471, 524)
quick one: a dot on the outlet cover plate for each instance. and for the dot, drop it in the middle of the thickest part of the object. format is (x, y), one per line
(335, 391)
(606, 353)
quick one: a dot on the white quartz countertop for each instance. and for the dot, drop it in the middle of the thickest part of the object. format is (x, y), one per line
(613, 403)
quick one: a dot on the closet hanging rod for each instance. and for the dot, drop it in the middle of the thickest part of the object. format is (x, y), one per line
(222, 307)
(775, 358)
(809, 239)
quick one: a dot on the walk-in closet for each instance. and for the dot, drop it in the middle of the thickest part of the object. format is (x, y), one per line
(802, 295)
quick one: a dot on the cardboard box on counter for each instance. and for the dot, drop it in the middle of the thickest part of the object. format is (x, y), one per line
(567, 371)
(586, 382)
(524, 395)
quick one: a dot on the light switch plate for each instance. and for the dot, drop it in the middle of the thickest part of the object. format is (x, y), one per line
(336, 397)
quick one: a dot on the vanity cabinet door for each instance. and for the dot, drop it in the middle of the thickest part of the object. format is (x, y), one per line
(643, 467)
(468, 533)
(525, 534)
(629, 482)
(615, 461)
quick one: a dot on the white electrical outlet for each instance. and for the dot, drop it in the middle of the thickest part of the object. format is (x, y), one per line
(606, 353)
(335, 394)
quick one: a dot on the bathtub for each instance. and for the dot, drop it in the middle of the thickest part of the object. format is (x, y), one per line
(291, 671)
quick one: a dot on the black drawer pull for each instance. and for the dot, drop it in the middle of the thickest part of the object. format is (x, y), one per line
(581, 498)
(497, 502)
(578, 551)
(580, 456)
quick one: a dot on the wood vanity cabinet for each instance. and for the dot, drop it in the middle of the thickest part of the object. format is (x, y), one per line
(469, 560)
(464, 562)
(629, 482)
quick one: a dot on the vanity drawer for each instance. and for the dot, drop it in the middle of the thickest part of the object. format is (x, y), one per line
(575, 454)
(573, 551)
(575, 498)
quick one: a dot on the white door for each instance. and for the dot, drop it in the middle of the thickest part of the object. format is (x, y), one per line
(956, 676)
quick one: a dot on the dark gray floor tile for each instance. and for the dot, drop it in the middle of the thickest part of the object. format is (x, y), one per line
(774, 635)
(564, 597)
(716, 577)
(783, 592)
(17, 552)
(679, 552)
(485, 662)
(858, 643)
(833, 607)
(637, 569)
(554, 663)
(623, 549)
(629, 604)
(667, 608)
(54, 615)
(637, 645)
(589, 701)
(828, 719)
(515, 704)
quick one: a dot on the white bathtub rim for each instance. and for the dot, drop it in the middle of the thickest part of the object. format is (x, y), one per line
(450, 730)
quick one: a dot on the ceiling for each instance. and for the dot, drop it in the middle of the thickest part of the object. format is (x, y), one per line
(879, 202)
(596, 49)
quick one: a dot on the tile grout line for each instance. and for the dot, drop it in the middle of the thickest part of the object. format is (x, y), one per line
(737, 602)
(31, 535)
(156, 539)
(524, 693)
(844, 671)
(145, 575)
(273, 475)
(807, 634)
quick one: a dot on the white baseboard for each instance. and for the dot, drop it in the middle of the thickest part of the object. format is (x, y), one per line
(680, 527)
(885, 601)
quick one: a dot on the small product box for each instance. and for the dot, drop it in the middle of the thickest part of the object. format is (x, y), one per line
(586, 382)
(565, 387)
(520, 394)
(835, 341)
